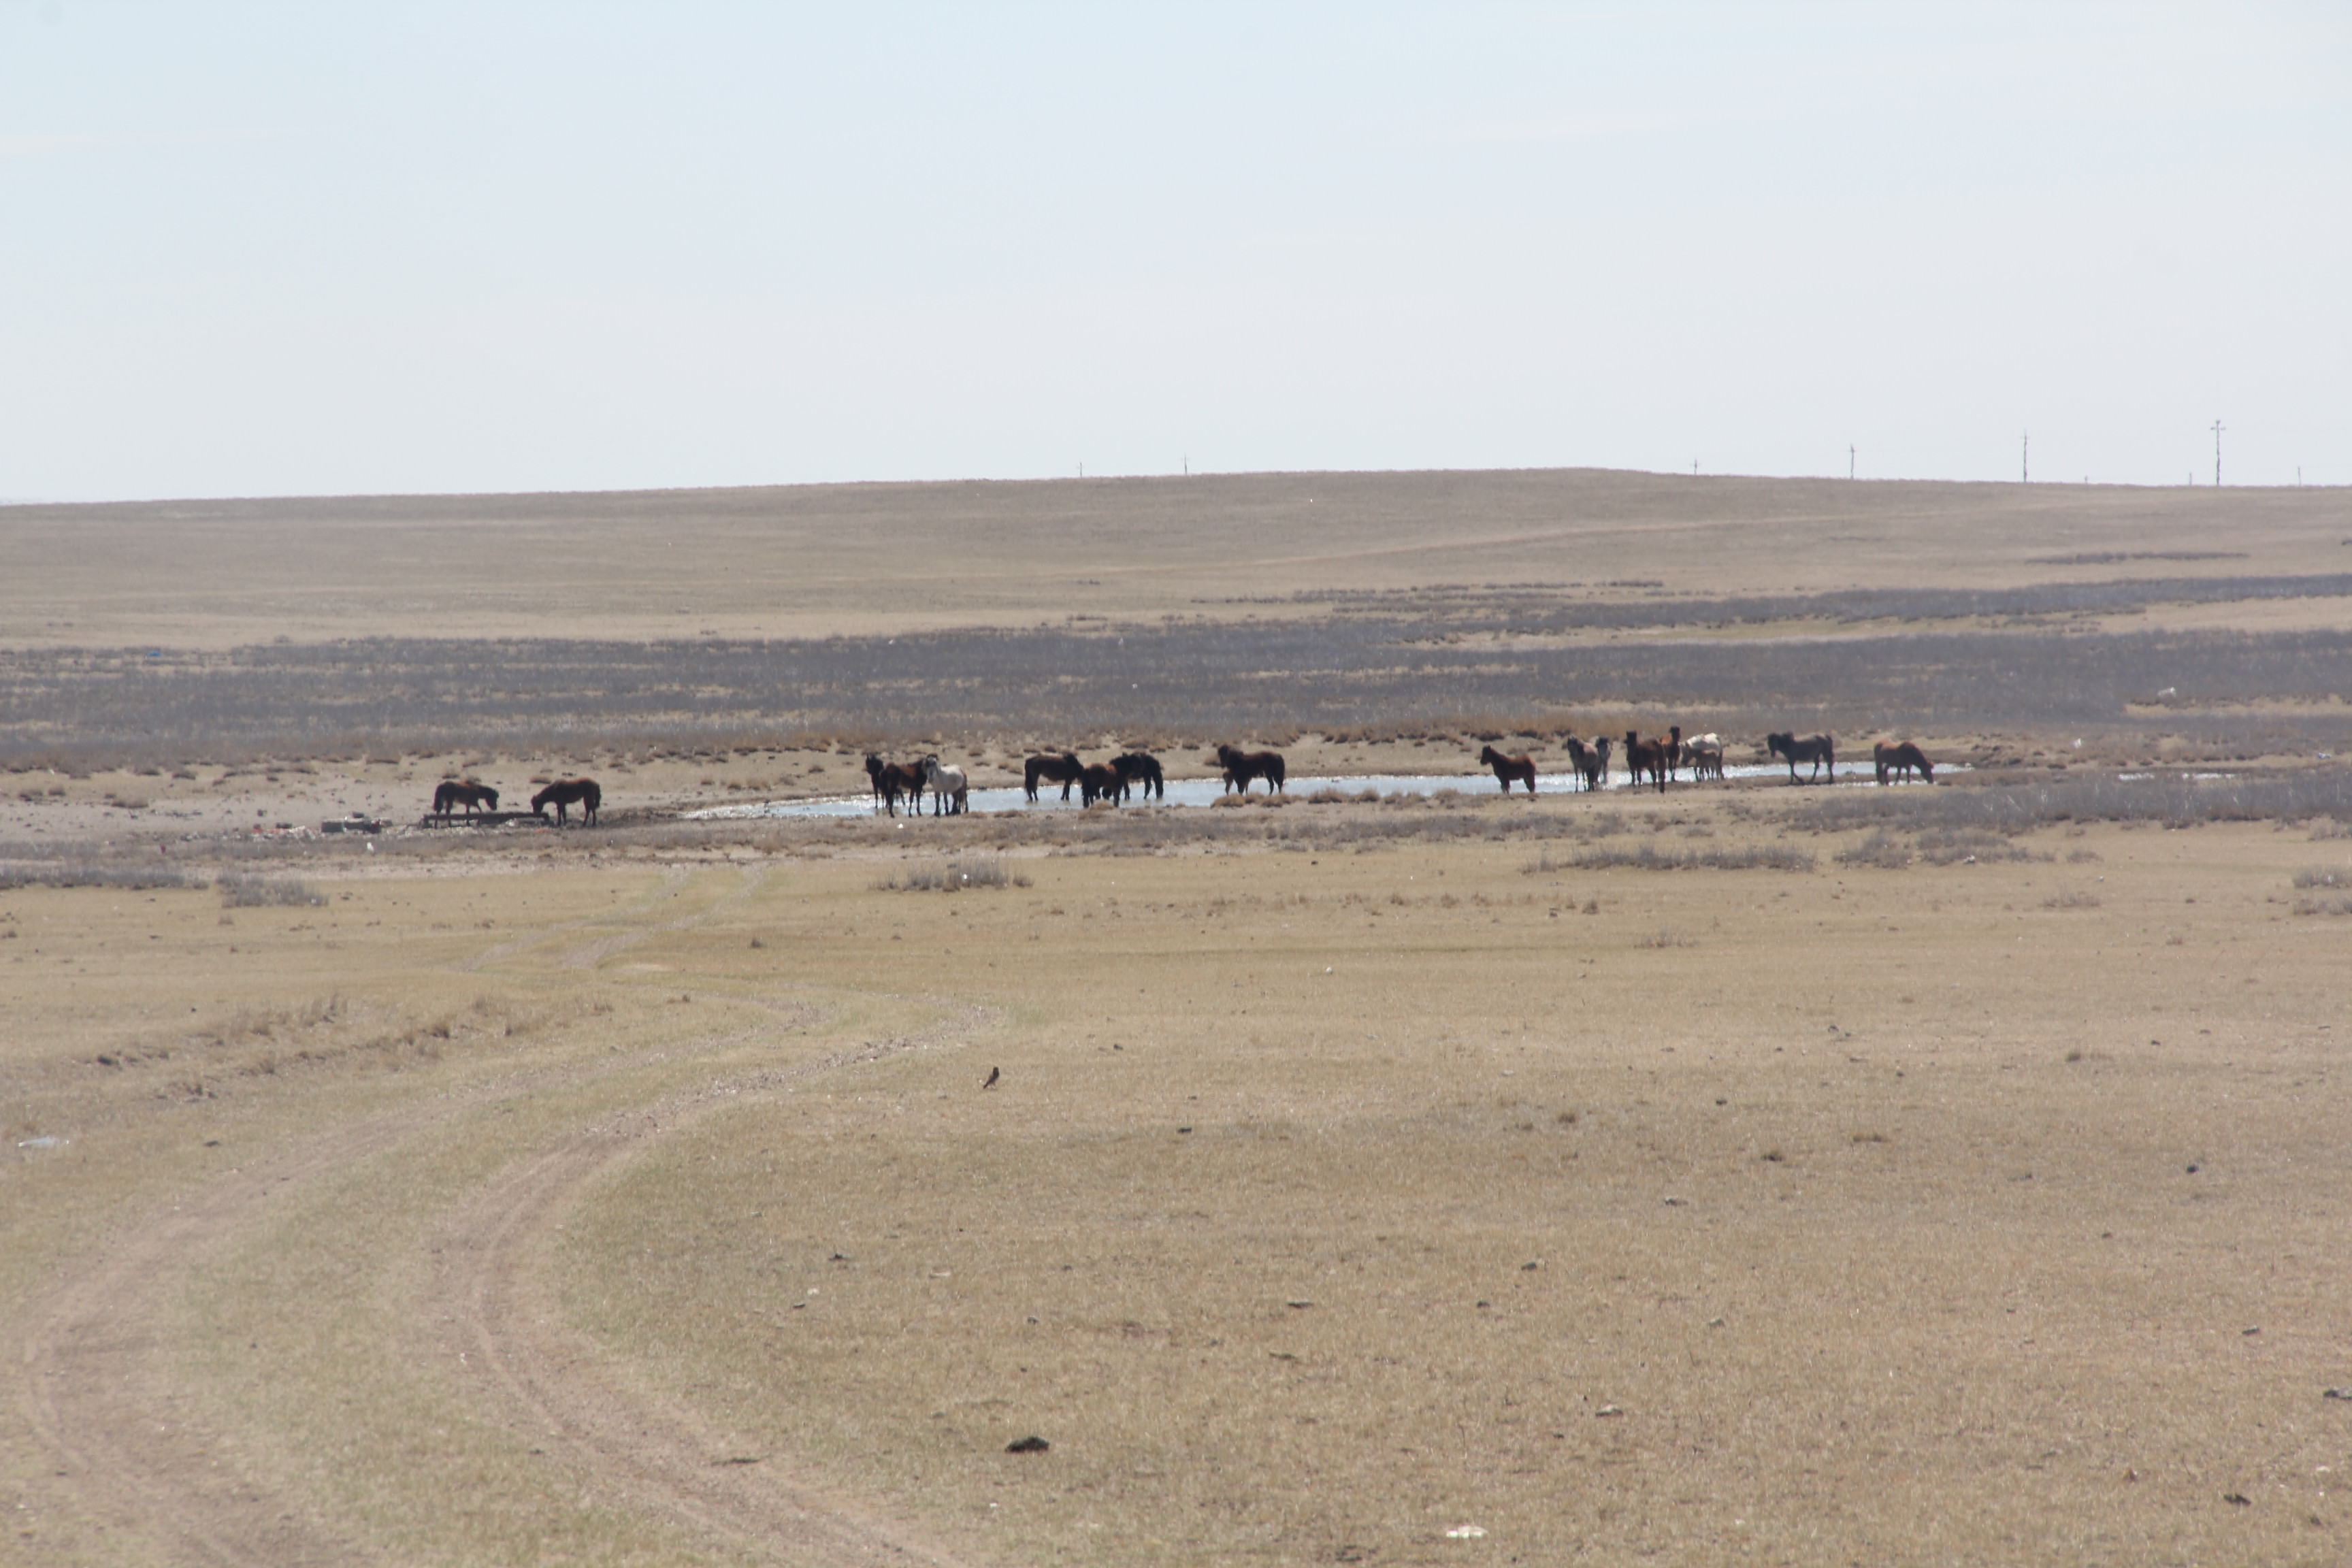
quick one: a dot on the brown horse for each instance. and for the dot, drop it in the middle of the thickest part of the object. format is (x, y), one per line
(1900, 757)
(1243, 766)
(455, 793)
(894, 782)
(1506, 769)
(1099, 781)
(1673, 751)
(1645, 758)
(1818, 750)
(581, 792)
(1063, 769)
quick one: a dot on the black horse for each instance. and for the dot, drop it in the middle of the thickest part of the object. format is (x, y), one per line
(1141, 771)
(1243, 766)
(581, 792)
(455, 793)
(1063, 769)
(1818, 750)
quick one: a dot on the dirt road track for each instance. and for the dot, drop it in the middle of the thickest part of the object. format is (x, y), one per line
(589, 1412)
(97, 1382)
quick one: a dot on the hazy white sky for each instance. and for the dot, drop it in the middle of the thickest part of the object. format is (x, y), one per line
(251, 249)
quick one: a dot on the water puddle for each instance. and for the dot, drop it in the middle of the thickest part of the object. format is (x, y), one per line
(1202, 792)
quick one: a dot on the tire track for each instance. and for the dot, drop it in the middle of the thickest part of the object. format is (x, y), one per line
(673, 878)
(96, 1386)
(589, 954)
(556, 1382)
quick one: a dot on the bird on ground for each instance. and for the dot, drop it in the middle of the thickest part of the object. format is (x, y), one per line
(991, 1082)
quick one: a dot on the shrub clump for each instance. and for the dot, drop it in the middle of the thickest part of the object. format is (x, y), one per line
(1648, 858)
(261, 892)
(960, 875)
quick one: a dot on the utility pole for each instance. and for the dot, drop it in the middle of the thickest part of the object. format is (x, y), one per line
(2217, 454)
(1849, 460)
(2025, 459)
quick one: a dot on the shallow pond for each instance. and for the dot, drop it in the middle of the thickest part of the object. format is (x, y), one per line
(1202, 792)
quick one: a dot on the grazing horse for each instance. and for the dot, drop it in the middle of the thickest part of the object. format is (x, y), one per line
(1141, 770)
(1645, 757)
(1900, 757)
(1508, 768)
(1705, 754)
(1099, 781)
(1063, 770)
(949, 783)
(1243, 766)
(455, 793)
(1817, 749)
(581, 792)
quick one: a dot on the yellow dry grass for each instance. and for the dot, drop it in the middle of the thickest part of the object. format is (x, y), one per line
(812, 561)
(1326, 1204)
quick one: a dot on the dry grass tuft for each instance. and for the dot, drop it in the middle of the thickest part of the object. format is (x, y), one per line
(964, 874)
(242, 892)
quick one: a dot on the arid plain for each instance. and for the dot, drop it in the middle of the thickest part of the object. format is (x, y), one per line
(1743, 1174)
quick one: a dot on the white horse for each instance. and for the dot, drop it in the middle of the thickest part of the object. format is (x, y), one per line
(947, 783)
(1705, 754)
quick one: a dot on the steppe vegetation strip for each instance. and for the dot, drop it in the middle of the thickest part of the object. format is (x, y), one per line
(2098, 798)
(608, 1425)
(1261, 680)
(1532, 611)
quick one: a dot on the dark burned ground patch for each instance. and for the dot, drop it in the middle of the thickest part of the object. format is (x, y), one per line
(1452, 656)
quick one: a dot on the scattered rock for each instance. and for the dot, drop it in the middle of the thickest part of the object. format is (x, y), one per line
(1031, 1444)
(1302, 1306)
(2238, 1499)
(1465, 1532)
(1609, 1410)
(2335, 1393)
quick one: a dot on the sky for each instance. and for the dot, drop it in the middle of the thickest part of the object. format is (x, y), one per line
(290, 249)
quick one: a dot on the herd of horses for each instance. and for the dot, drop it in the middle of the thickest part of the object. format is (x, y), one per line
(1661, 758)
(1135, 773)
(1657, 760)
(476, 796)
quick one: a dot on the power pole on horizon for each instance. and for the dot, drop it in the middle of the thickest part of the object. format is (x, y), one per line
(2025, 459)
(2217, 454)
(1849, 460)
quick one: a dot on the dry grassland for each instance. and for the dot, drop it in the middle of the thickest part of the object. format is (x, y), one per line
(887, 558)
(1752, 1174)
(643, 1204)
